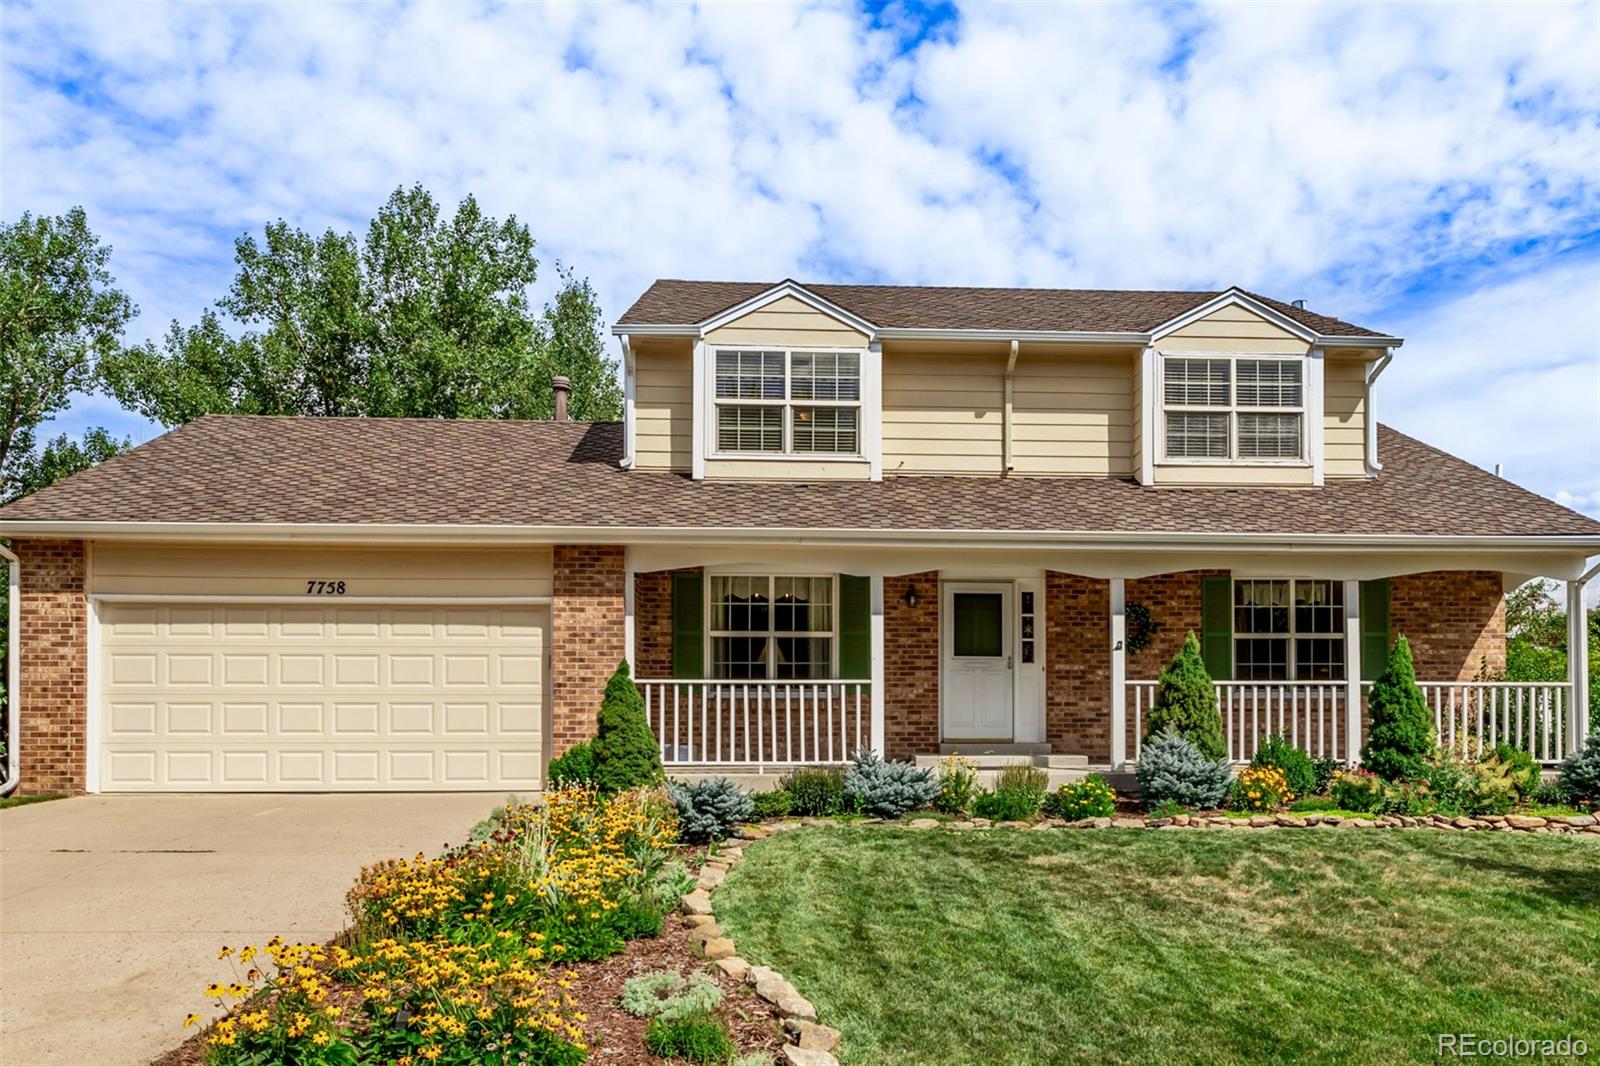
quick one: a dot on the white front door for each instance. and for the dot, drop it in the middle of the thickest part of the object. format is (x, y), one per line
(976, 642)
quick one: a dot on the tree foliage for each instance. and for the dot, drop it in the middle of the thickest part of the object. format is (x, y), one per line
(427, 316)
(1536, 641)
(60, 459)
(61, 314)
(1400, 735)
(1186, 702)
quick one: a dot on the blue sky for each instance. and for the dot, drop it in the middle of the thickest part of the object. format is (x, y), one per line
(1426, 170)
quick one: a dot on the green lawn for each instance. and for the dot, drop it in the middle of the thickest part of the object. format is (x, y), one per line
(23, 801)
(1142, 947)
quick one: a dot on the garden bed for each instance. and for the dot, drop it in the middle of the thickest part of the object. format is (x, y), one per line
(614, 1035)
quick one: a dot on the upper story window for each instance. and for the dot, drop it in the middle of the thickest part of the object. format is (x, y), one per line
(1233, 408)
(782, 401)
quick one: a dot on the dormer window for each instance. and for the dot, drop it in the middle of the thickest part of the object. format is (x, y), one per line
(779, 401)
(1233, 408)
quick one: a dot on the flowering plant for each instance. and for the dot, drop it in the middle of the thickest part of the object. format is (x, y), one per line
(1090, 798)
(284, 1014)
(958, 784)
(1260, 788)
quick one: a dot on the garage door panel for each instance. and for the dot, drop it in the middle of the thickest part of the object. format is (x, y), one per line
(217, 697)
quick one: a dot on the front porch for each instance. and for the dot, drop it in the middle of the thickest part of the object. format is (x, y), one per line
(744, 673)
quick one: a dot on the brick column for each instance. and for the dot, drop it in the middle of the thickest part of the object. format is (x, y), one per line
(1078, 666)
(586, 623)
(911, 666)
(54, 645)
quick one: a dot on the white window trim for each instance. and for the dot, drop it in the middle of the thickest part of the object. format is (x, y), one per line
(706, 366)
(710, 635)
(1341, 634)
(1308, 404)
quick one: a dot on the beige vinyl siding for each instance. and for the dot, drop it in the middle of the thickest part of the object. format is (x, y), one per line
(942, 412)
(663, 408)
(137, 568)
(790, 322)
(788, 470)
(1344, 433)
(1136, 431)
(1072, 415)
(1233, 329)
(1228, 474)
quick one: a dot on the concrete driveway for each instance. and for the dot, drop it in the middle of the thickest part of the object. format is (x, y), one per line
(112, 908)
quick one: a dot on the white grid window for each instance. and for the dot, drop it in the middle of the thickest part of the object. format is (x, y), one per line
(1287, 630)
(771, 627)
(1237, 407)
(788, 402)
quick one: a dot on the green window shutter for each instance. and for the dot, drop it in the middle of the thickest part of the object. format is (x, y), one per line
(1216, 626)
(1374, 627)
(855, 627)
(688, 624)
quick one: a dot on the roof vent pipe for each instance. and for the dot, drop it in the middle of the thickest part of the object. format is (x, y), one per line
(1299, 305)
(561, 386)
(1498, 470)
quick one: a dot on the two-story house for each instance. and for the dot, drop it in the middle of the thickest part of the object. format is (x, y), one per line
(834, 516)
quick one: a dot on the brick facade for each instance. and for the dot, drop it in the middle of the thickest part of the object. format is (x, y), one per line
(1077, 675)
(1454, 620)
(652, 624)
(587, 637)
(911, 666)
(53, 644)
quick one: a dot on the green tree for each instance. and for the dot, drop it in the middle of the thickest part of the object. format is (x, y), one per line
(1400, 735)
(1186, 702)
(1536, 641)
(625, 751)
(61, 314)
(426, 317)
(60, 459)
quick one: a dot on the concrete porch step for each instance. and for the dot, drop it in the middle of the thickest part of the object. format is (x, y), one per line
(997, 760)
(975, 748)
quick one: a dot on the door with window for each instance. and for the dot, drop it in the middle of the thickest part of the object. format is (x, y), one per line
(976, 689)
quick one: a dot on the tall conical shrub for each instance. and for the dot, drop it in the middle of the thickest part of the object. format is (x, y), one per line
(625, 751)
(1400, 735)
(1186, 702)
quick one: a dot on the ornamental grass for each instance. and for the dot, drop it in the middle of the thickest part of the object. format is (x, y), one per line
(456, 959)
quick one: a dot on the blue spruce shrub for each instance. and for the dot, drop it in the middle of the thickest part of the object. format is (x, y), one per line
(1173, 770)
(708, 810)
(888, 789)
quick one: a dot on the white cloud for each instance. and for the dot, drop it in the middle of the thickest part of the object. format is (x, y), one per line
(1355, 155)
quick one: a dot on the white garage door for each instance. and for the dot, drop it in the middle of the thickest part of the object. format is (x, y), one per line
(214, 697)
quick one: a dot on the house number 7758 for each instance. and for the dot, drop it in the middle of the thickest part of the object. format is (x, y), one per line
(324, 588)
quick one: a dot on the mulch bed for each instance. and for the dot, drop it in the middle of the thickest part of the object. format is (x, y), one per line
(615, 1036)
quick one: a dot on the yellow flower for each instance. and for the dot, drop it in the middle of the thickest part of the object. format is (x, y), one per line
(193, 1019)
(320, 1039)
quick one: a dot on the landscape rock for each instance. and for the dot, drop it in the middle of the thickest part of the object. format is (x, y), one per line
(1101, 823)
(719, 947)
(982, 822)
(1291, 820)
(1127, 823)
(1524, 821)
(749, 832)
(794, 1005)
(1582, 821)
(1261, 821)
(707, 930)
(1012, 825)
(696, 902)
(811, 1036)
(959, 825)
(734, 967)
(794, 1055)
(923, 823)
(694, 921)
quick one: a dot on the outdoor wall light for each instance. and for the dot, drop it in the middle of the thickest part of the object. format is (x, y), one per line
(911, 596)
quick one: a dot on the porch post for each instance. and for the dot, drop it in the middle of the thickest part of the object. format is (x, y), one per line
(1119, 674)
(875, 594)
(1577, 667)
(629, 649)
(1352, 672)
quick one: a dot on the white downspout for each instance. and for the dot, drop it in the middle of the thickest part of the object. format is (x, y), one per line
(1005, 424)
(13, 671)
(1372, 464)
(629, 426)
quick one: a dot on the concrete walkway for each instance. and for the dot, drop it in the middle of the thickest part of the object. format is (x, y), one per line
(112, 908)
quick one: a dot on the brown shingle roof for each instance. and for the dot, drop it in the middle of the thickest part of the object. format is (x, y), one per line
(672, 302)
(401, 471)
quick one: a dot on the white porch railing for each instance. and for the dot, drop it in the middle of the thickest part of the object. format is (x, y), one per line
(1474, 716)
(1470, 716)
(758, 723)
